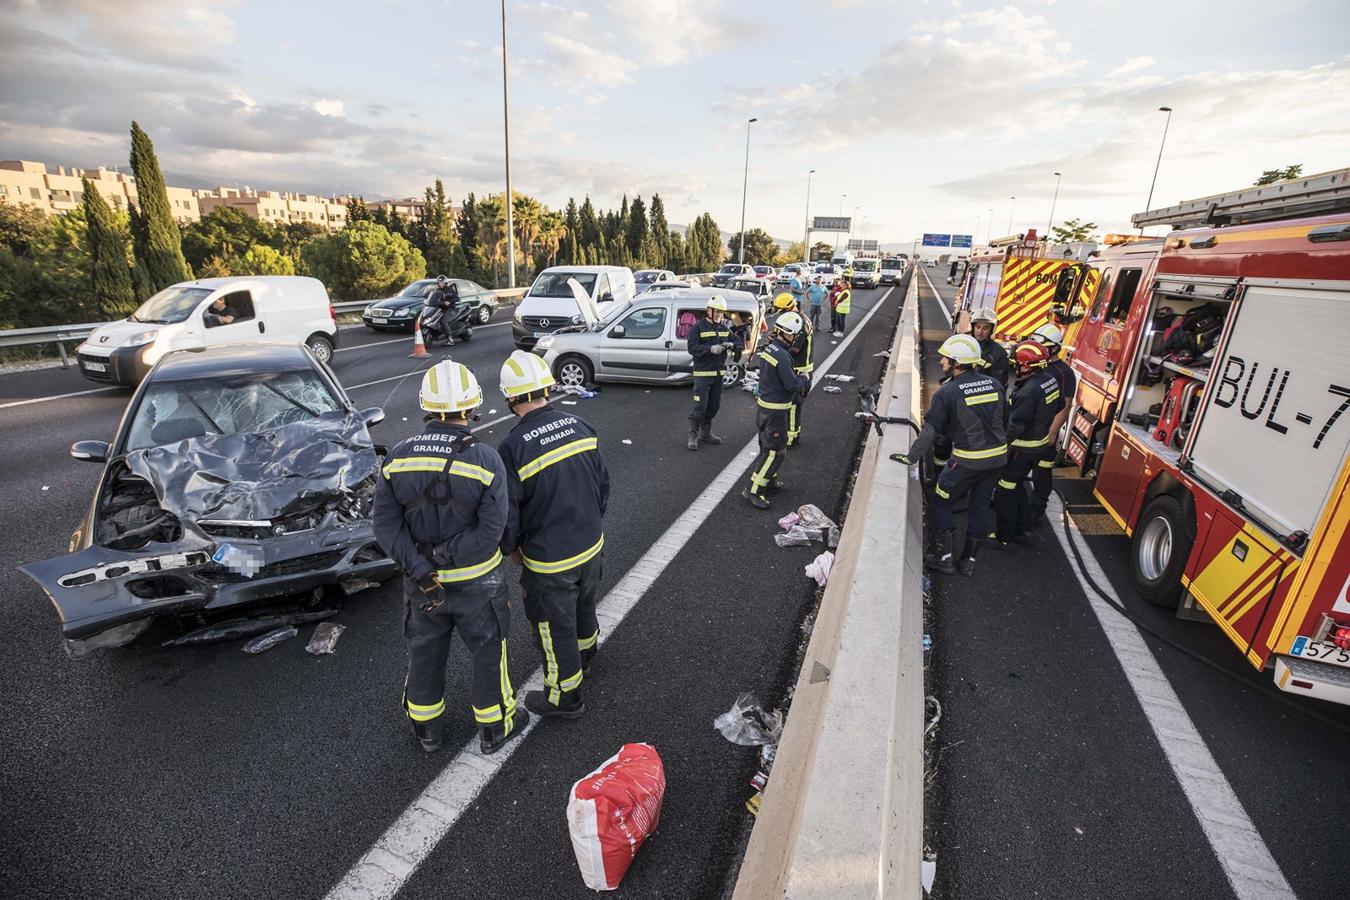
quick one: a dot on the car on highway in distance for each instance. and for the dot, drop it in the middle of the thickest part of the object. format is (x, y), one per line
(272, 308)
(829, 270)
(677, 285)
(757, 287)
(236, 496)
(787, 272)
(722, 277)
(399, 312)
(645, 278)
(892, 270)
(866, 272)
(570, 298)
(646, 342)
(765, 272)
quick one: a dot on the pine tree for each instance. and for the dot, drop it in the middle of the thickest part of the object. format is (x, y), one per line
(140, 273)
(467, 227)
(113, 290)
(397, 224)
(637, 226)
(163, 244)
(660, 231)
(590, 226)
(357, 211)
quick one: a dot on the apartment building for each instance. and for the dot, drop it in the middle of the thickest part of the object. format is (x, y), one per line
(60, 190)
(277, 207)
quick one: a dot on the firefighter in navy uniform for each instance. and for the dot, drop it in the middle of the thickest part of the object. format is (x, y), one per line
(1036, 400)
(440, 510)
(982, 322)
(800, 350)
(710, 340)
(778, 387)
(1042, 481)
(559, 488)
(969, 411)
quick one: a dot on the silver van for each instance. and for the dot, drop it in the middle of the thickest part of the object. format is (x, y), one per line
(646, 341)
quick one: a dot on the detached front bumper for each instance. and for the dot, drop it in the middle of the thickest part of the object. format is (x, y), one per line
(97, 588)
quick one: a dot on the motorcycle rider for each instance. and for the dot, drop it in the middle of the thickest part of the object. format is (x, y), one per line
(710, 340)
(559, 488)
(441, 506)
(445, 297)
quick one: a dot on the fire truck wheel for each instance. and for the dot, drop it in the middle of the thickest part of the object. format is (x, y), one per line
(1159, 552)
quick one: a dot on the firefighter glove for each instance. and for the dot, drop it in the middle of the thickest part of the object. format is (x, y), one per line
(718, 348)
(904, 459)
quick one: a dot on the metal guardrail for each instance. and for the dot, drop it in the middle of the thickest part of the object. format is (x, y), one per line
(59, 334)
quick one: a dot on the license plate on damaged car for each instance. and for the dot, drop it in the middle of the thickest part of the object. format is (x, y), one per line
(1326, 653)
(95, 367)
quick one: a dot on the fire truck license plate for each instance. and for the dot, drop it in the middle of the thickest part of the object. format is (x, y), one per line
(1327, 653)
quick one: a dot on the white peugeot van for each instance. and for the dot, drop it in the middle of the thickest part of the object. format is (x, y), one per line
(283, 309)
(553, 304)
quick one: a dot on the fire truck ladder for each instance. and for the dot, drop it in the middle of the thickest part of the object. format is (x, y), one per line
(1328, 192)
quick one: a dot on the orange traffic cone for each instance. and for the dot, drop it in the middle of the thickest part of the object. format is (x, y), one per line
(419, 348)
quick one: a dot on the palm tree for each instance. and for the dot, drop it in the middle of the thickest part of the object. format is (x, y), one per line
(552, 233)
(527, 212)
(492, 230)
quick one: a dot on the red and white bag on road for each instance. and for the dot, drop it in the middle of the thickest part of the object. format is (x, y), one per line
(612, 811)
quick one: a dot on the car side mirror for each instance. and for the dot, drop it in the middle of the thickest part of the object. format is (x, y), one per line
(89, 451)
(372, 415)
(605, 298)
(617, 331)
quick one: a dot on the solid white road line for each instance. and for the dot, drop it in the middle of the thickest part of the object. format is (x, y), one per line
(414, 835)
(408, 339)
(941, 303)
(1251, 870)
(56, 397)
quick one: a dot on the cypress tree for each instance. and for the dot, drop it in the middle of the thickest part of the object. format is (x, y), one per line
(163, 244)
(637, 227)
(140, 273)
(113, 291)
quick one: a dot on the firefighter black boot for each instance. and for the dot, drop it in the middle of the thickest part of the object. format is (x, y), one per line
(941, 558)
(428, 734)
(706, 435)
(966, 565)
(693, 434)
(757, 501)
(492, 738)
(570, 706)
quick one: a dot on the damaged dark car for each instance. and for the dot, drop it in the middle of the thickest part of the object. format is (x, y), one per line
(236, 496)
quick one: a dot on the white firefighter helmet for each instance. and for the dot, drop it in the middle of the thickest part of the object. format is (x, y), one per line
(962, 349)
(524, 373)
(984, 314)
(1049, 333)
(788, 323)
(449, 387)
(716, 302)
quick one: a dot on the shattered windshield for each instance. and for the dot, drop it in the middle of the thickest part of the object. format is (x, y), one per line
(173, 304)
(172, 411)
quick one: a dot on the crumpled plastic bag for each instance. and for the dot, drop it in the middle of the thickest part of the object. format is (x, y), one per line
(748, 725)
(789, 520)
(819, 568)
(795, 536)
(612, 811)
(812, 517)
(271, 639)
(325, 638)
(831, 389)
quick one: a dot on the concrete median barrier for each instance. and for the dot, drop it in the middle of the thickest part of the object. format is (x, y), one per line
(842, 816)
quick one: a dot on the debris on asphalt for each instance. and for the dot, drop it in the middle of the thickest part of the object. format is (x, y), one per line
(271, 639)
(832, 539)
(928, 869)
(569, 403)
(748, 725)
(928, 642)
(626, 441)
(795, 536)
(612, 811)
(789, 520)
(117, 636)
(885, 353)
(819, 568)
(325, 638)
(351, 586)
(937, 714)
(813, 517)
(573, 391)
(239, 629)
(767, 753)
(844, 378)
(831, 389)
(492, 412)
(46, 487)
(759, 780)
(752, 805)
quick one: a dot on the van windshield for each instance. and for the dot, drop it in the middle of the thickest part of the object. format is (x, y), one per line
(892, 263)
(865, 265)
(173, 304)
(554, 284)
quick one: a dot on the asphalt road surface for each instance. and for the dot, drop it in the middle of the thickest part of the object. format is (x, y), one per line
(1050, 780)
(205, 772)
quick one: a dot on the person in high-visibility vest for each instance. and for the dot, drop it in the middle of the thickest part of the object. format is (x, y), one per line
(843, 303)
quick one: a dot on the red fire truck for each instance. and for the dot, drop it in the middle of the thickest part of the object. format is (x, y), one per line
(1016, 277)
(1214, 408)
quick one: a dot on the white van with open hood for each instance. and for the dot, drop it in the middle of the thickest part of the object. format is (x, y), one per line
(212, 312)
(570, 298)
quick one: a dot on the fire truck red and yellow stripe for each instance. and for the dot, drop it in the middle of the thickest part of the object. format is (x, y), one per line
(1026, 292)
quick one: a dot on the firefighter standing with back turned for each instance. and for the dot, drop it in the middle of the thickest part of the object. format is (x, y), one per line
(440, 509)
(559, 488)
(1042, 480)
(710, 340)
(800, 350)
(1036, 401)
(778, 386)
(969, 411)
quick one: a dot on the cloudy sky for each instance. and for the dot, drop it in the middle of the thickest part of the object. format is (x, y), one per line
(925, 114)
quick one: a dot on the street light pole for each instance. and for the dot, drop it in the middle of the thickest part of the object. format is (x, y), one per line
(1049, 225)
(1011, 210)
(510, 198)
(806, 228)
(842, 198)
(745, 185)
(1152, 184)
(989, 234)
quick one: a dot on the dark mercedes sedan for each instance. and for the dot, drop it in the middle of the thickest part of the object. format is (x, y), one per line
(397, 313)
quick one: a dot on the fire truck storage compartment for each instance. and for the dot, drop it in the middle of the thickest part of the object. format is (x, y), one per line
(1273, 431)
(1182, 332)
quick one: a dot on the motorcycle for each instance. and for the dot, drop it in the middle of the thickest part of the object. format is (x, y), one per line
(435, 326)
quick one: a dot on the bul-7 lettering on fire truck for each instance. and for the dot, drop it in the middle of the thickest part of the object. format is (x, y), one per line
(1241, 384)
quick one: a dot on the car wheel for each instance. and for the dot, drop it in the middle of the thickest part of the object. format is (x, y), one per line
(484, 314)
(574, 371)
(321, 347)
(1159, 551)
(732, 375)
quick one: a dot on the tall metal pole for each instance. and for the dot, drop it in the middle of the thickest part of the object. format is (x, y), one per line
(842, 198)
(1011, 210)
(1148, 204)
(989, 235)
(510, 197)
(1049, 225)
(745, 184)
(806, 228)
